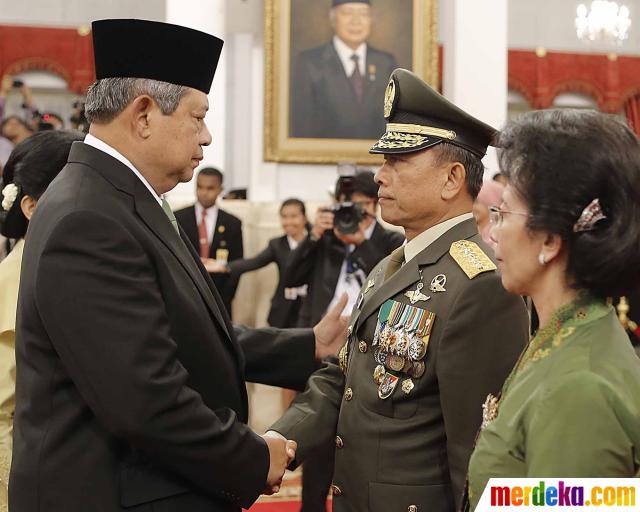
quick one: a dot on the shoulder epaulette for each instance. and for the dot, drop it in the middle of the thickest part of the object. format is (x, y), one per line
(472, 260)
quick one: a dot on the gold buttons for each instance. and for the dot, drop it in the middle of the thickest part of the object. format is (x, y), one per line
(339, 442)
(348, 394)
(412, 508)
(350, 330)
(363, 347)
(335, 490)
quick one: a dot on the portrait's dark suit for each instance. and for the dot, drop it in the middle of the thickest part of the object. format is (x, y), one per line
(227, 234)
(283, 312)
(130, 387)
(324, 103)
(318, 263)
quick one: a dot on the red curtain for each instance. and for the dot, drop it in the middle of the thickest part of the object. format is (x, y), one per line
(632, 111)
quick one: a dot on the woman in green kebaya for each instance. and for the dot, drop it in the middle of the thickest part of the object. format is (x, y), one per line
(567, 235)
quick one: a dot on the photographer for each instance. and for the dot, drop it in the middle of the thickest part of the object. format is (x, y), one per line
(14, 128)
(345, 243)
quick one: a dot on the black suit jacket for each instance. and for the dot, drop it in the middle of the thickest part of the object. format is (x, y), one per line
(323, 102)
(283, 312)
(318, 264)
(227, 234)
(130, 379)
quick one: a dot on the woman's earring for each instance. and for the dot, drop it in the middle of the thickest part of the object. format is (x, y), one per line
(541, 259)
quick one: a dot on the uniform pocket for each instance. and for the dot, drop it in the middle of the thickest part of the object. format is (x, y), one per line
(409, 498)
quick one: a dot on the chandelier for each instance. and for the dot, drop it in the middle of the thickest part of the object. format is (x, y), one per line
(604, 21)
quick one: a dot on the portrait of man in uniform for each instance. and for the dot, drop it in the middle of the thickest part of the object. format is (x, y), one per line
(337, 87)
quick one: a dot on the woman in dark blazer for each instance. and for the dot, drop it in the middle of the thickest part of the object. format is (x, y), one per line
(285, 303)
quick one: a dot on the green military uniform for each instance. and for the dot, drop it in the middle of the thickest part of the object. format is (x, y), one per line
(571, 407)
(427, 342)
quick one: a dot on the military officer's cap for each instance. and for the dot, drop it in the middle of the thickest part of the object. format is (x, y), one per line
(128, 48)
(418, 117)
(340, 2)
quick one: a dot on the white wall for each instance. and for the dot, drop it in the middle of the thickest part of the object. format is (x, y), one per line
(71, 13)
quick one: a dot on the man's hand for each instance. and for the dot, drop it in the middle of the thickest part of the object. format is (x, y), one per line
(331, 331)
(323, 222)
(214, 267)
(281, 453)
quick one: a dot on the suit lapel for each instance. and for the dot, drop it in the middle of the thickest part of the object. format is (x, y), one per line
(191, 227)
(408, 273)
(155, 219)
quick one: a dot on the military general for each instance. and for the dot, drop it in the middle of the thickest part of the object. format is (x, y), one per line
(433, 332)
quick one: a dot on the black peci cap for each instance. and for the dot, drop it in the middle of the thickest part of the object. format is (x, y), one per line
(418, 117)
(128, 48)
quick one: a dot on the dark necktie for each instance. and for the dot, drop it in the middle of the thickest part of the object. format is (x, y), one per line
(395, 262)
(357, 80)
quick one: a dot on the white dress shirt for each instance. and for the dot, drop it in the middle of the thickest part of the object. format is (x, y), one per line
(95, 142)
(345, 53)
(427, 237)
(350, 284)
(210, 219)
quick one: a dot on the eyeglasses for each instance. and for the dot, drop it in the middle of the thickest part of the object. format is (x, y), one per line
(496, 214)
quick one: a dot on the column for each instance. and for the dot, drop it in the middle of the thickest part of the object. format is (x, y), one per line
(207, 16)
(474, 37)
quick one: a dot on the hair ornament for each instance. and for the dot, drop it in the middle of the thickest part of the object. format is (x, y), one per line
(9, 195)
(589, 217)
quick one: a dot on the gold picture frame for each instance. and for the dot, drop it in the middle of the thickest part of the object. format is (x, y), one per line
(279, 145)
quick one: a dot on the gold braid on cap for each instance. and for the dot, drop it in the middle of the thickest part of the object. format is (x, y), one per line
(421, 130)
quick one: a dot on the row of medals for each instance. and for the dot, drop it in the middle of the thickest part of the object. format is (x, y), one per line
(399, 350)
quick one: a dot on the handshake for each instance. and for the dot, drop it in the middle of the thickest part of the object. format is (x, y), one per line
(281, 453)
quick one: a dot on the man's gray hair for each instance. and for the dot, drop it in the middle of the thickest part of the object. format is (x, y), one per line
(108, 97)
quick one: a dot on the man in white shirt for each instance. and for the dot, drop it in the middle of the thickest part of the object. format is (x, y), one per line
(337, 88)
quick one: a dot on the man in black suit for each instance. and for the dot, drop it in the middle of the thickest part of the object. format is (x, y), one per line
(215, 234)
(130, 377)
(337, 88)
(334, 263)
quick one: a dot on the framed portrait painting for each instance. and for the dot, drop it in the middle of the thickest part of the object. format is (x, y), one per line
(328, 63)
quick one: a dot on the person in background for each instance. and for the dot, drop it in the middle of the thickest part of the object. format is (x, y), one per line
(490, 195)
(215, 234)
(33, 164)
(567, 234)
(285, 303)
(332, 262)
(16, 128)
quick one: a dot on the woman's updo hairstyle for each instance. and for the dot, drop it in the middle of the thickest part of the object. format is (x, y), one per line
(559, 162)
(31, 167)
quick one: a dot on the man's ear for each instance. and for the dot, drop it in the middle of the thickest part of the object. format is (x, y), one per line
(140, 110)
(455, 182)
(28, 206)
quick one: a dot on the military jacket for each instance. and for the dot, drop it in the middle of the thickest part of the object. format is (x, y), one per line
(407, 449)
